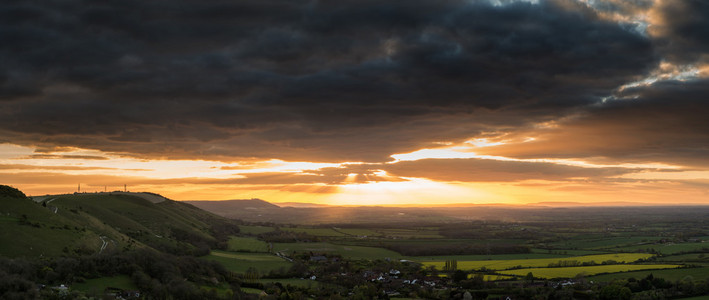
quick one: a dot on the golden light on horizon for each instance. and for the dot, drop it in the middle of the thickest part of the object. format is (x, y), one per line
(281, 181)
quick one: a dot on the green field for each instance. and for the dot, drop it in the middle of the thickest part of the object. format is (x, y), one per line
(539, 262)
(98, 285)
(668, 274)
(600, 242)
(487, 257)
(255, 230)
(241, 262)
(248, 244)
(351, 252)
(571, 272)
(692, 257)
(670, 248)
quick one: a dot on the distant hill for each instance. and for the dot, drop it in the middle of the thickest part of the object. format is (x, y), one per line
(256, 210)
(88, 223)
(218, 207)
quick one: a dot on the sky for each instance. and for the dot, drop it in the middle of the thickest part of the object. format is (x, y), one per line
(359, 102)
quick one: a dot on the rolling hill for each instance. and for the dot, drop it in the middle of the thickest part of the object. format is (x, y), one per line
(97, 222)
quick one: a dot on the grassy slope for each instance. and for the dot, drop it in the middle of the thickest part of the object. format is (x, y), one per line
(124, 217)
(43, 234)
(71, 223)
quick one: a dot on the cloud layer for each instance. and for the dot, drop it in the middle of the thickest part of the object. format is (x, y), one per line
(300, 80)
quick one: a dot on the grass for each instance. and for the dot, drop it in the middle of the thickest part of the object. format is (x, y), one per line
(351, 252)
(241, 262)
(539, 262)
(255, 230)
(571, 272)
(98, 285)
(668, 274)
(247, 244)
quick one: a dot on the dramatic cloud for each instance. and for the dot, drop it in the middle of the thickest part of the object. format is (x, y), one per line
(345, 81)
(665, 122)
(498, 99)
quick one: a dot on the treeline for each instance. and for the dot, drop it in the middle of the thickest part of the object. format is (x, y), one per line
(429, 249)
(11, 192)
(487, 230)
(157, 275)
(280, 236)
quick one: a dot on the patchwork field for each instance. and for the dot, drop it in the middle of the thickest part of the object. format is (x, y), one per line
(571, 272)
(540, 262)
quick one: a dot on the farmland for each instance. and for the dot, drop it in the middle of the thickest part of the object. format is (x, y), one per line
(541, 262)
(571, 272)
(127, 242)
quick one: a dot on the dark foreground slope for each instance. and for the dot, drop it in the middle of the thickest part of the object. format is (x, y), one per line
(110, 246)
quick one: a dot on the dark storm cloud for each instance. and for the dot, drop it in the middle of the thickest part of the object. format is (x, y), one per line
(683, 29)
(298, 80)
(665, 122)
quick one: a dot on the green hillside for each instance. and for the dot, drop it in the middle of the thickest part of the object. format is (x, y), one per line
(92, 223)
(30, 229)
